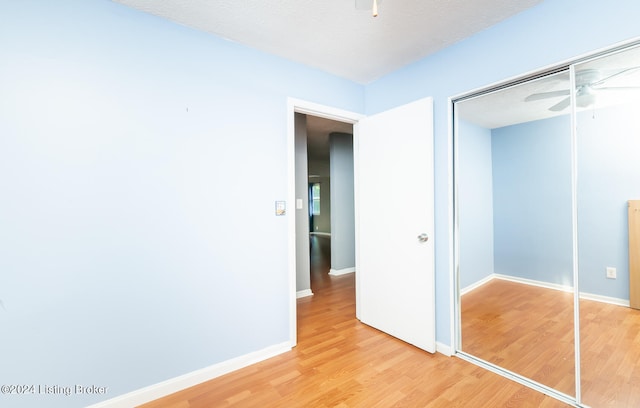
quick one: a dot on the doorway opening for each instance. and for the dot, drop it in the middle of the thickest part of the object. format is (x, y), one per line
(325, 245)
(316, 136)
(396, 268)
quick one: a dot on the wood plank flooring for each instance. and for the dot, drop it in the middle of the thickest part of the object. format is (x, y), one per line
(523, 328)
(340, 362)
(529, 330)
(610, 350)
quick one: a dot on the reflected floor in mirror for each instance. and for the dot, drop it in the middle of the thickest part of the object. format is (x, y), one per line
(529, 330)
(610, 350)
(525, 329)
(340, 362)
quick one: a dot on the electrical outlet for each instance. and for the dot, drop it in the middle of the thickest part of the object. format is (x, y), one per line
(611, 272)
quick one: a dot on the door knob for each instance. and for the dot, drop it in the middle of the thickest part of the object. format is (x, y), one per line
(423, 237)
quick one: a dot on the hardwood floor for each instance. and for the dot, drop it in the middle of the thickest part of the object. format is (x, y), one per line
(523, 328)
(340, 362)
(529, 330)
(610, 350)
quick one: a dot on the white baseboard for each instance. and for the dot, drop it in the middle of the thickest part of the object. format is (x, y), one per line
(542, 284)
(344, 271)
(303, 293)
(605, 299)
(548, 285)
(444, 349)
(153, 392)
(476, 284)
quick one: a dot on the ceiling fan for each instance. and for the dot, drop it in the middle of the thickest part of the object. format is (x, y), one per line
(588, 83)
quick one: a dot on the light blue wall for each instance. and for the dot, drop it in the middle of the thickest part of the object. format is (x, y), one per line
(475, 203)
(532, 213)
(124, 216)
(554, 31)
(139, 165)
(532, 200)
(608, 176)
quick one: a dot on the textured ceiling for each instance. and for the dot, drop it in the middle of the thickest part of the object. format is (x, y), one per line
(334, 35)
(618, 82)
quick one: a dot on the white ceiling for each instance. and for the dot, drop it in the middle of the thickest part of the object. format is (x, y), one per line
(335, 36)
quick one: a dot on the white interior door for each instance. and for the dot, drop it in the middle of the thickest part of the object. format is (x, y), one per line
(395, 227)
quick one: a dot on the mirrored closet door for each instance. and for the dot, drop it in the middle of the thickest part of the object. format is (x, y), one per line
(546, 173)
(513, 178)
(608, 190)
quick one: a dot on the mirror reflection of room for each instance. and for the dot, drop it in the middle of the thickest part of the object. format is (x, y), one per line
(515, 232)
(608, 168)
(539, 204)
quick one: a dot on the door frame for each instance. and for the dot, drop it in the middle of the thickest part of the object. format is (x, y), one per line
(314, 109)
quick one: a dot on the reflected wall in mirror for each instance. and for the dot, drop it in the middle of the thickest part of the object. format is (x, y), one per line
(515, 231)
(608, 154)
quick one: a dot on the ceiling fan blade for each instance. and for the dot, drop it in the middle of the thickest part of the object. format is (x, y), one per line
(618, 88)
(545, 95)
(560, 105)
(624, 71)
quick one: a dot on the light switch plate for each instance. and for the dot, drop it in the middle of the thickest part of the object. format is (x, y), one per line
(281, 208)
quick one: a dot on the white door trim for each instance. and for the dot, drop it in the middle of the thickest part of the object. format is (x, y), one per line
(309, 108)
